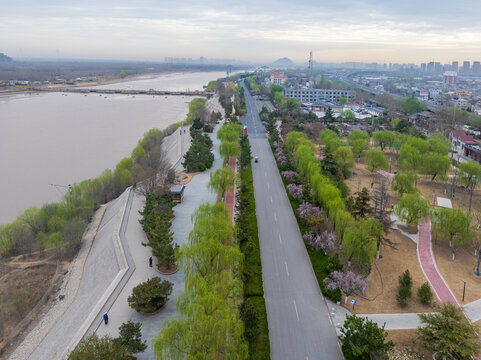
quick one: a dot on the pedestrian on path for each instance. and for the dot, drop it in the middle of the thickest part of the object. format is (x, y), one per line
(106, 318)
(150, 261)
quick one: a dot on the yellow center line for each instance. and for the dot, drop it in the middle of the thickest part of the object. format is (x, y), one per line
(265, 173)
(268, 186)
(271, 199)
(280, 239)
(295, 307)
(275, 216)
(287, 269)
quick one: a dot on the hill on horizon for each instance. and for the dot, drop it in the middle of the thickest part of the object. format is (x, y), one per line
(284, 63)
(5, 58)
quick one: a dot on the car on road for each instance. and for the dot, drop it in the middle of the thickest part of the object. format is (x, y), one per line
(256, 159)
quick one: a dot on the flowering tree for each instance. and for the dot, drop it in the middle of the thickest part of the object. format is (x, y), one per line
(280, 156)
(307, 210)
(295, 191)
(324, 241)
(349, 283)
(277, 144)
(289, 175)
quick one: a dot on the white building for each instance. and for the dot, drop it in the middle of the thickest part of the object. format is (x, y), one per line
(319, 95)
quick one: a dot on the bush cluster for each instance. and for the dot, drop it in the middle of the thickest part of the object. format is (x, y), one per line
(150, 295)
(405, 288)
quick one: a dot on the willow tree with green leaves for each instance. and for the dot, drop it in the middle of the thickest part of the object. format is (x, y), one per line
(403, 182)
(470, 175)
(375, 159)
(222, 180)
(209, 324)
(230, 132)
(412, 208)
(455, 227)
(361, 240)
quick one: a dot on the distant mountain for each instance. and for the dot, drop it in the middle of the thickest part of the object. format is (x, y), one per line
(283, 63)
(5, 58)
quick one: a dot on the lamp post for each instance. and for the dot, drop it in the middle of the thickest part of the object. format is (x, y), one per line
(464, 289)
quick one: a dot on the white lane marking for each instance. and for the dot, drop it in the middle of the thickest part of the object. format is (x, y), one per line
(271, 199)
(280, 238)
(275, 216)
(287, 269)
(297, 313)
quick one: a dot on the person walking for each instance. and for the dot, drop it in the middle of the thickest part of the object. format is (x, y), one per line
(150, 261)
(106, 318)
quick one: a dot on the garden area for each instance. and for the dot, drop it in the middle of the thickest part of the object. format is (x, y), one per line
(344, 191)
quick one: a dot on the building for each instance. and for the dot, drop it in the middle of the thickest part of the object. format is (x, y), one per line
(319, 95)
(438, 68)
(476, 68)
(466, 67)
(450, 77)
(278, 77)
(430, 67)
(455, 66)
(460, 140)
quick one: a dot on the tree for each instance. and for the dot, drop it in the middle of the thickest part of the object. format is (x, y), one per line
(328, 116)
(344, 156)
(435, 164)
(375, 159)
(349, 283)
(447, 332)
(130, 336)
(150, 295)
(361, 204)
(250, 317)
(343, 100)
(360, 240)
(470, 175)
(425, 294)
(199, 156)
(412, 208)
(347, 115)
(229, 148)
(405, 288)
(363, 339)
(358, 147)
(99, 348)
(222, 180)
(356, 135)
(456, 227)
(409, 157)
(329, 139)
(411, 106)
(403, 182)
(384, 138)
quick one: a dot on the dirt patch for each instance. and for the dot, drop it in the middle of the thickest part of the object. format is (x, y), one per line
(380, 296)
(21, 288)
(406, 340)
(413, 230)
(185, 177)
(455, 272)
(168, 271)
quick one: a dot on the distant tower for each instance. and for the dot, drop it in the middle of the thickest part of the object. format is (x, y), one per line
(310, 62)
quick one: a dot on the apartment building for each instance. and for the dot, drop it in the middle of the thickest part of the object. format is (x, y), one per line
(317, 95)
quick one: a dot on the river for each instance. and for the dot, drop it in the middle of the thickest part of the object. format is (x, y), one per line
(60, 139)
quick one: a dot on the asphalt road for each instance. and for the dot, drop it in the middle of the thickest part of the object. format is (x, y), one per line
(298, 317)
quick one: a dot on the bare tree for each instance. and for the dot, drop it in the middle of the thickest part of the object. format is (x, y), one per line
(380, 198)
(155, 175)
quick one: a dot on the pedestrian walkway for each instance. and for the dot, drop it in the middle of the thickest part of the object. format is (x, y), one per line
(195, 194)
(428, 265)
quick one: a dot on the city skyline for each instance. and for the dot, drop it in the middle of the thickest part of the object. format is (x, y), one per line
(347, 30)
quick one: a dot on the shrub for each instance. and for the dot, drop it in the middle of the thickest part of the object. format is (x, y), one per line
(295, 191)
(130, 336)
(250, 317)
(290, 175)
(405, 291)
(307, 210)
(324, 241)
(150, 295)
(425, 294)
(334, 264)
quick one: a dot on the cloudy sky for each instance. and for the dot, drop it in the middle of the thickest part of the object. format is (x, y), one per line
(262, 30)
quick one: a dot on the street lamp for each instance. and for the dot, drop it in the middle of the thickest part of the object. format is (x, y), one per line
(464, 289)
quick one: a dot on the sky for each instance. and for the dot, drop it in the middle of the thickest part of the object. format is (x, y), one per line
(398, 31)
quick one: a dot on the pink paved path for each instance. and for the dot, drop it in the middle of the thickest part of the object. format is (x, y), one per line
(428, 265)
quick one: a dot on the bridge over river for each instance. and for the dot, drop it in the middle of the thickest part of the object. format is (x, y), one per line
(122, 91)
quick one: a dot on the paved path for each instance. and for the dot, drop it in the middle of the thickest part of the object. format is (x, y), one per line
(195, 194)
(428, 265)
(100, 271)
(298, 317)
